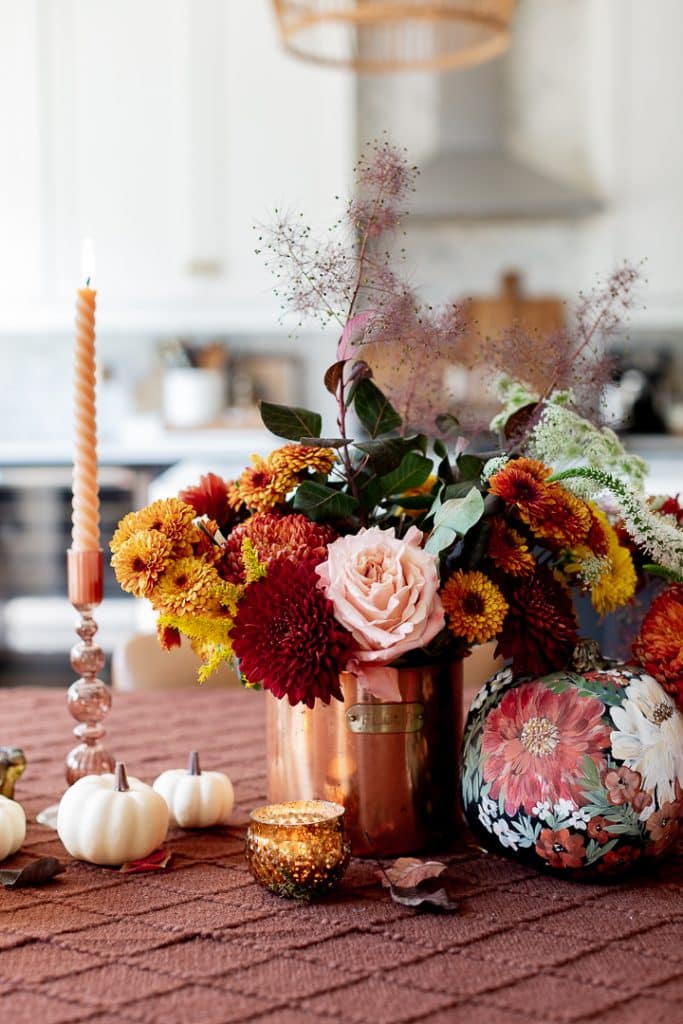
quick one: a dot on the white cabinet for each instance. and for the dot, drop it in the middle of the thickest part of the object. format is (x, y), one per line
(164, 130)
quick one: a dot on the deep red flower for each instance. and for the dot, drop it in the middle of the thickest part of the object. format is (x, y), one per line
(672, 507)
(539, 632)
(560, 848)
(619, 859)
(210, 498)
(274, 536)
(597, 829)
(287, 638)
(169, 637)
(625, 786)
(659, 645)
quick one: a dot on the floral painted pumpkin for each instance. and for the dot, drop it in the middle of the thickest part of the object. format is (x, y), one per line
(579, 771)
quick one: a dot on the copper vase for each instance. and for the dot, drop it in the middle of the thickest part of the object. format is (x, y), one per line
(393, 766)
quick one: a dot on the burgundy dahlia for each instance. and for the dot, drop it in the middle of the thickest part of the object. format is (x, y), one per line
(210, 498)
(539, 632)
(287, 638)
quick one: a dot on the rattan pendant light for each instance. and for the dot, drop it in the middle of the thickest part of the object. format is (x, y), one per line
(395, 35)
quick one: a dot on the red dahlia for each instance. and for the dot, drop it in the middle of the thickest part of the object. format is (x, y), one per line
(540, 631)
(210, 498)
(287, 638)
(274, 536)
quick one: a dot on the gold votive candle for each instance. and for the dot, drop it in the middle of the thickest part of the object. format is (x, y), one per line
(298, 849)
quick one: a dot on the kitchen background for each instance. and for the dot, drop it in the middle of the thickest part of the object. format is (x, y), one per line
(169, 130)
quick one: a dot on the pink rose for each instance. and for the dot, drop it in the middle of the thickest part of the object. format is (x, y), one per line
(385, 591)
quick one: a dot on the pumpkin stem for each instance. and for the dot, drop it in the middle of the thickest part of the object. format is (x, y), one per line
(587, 657)
(120, 778)
(193, 764)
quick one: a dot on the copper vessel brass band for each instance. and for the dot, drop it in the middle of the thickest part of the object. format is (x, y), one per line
(385, 718)
(84, 575)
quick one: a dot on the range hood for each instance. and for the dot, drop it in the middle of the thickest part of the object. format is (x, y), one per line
(474, 175)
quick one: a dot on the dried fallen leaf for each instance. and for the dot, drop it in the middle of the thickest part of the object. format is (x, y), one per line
(35, 873)
(408, 871)
(423, 885)
(153, 862)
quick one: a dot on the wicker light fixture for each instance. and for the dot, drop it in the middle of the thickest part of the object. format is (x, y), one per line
(395, 35)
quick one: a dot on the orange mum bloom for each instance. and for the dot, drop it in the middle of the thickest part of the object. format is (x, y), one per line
(538, 470)
(533, 498)
(140, 561)
(175, 519)
(509, 551)
(568, 522)
(261, 487)
(474, 606)
(294, 459)
(658, 646)
(190, 587)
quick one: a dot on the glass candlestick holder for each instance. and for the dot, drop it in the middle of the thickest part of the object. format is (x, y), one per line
(88, 698)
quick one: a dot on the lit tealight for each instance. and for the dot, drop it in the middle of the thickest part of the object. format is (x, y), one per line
(298, 849)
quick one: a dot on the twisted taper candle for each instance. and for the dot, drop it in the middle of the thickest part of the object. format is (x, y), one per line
(86, 504)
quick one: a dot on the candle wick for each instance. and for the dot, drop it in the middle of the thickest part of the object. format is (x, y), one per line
(87, 282)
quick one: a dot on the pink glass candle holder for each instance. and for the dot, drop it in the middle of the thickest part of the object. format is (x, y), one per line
(88, 698)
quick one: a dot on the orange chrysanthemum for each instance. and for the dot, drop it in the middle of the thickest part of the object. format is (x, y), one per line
(658, 646)
(538, 470)
(533, 498)
(190, 587)
(274, 536)
(262, 488)
(509, 551)
(294, 459)
(127, 527)
(567, 523)
(140, 561)
(475, 607)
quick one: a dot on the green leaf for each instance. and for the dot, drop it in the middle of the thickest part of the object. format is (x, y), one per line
(416, 501)
(412, 472)
(460, 514)
(374, 410)
(324, 442)
(440, 449)
(459, 490)
(386, 453)
(290, 422)
(470, 467)
(440, 539)
(320, 502)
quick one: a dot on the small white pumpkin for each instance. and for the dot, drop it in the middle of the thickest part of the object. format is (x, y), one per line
(110, 819)
(196, 799)
(12, 826)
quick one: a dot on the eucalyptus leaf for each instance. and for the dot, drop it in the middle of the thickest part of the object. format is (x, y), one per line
(320, 502)
(461, 514)
(440, 539)
(290, 422)
(459, 490)
(413, 471)
(374, 410)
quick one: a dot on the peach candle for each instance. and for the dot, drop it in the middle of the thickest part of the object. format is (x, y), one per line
(86, 503)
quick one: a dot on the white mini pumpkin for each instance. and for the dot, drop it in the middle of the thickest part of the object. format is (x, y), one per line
(12, 826)
(196, 799)
(110, 819)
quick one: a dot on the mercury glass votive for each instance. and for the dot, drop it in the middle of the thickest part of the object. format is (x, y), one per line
(298, 849)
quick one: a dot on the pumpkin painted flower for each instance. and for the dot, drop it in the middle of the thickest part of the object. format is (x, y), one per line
(534, 743)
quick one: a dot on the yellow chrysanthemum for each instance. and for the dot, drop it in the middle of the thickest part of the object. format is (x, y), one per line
(175, 519)
(127, 527)
(235, 499)
(474, 606)
(293, 459)
(141, 560)
(617, 584)
(190, 587)
(261, 488)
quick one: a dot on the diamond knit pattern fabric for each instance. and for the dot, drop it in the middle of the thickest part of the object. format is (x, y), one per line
(201, 941)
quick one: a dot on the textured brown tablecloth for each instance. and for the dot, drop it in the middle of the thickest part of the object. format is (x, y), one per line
(201, 942)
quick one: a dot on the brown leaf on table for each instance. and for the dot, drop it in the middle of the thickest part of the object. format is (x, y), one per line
(407, 871)
(35, 873)
(153, 862)
(423, 885)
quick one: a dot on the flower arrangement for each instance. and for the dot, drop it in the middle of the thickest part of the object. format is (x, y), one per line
(396, 541)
